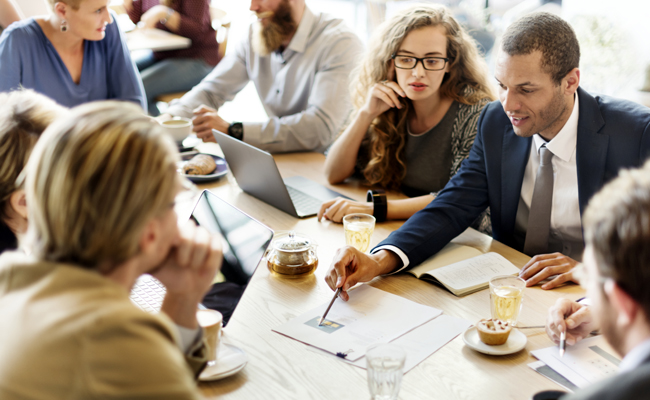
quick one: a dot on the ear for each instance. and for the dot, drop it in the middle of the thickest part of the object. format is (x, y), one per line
(18, 202)
(571, 81)
(626, 307)
(61, 9)
(149, 237)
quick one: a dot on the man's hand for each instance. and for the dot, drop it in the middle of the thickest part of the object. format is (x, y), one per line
(543, 266)
(350, 266)
(205, 120)
(337, 208)
(187, 273)
(573, 318)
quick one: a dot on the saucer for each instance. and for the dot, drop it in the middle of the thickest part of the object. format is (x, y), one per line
(220, 170)
(516, 342)
(231, 360)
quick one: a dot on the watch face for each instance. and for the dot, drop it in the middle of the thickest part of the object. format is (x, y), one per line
(236, 130)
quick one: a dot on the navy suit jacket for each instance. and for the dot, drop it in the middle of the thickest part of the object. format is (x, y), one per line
(612, 134)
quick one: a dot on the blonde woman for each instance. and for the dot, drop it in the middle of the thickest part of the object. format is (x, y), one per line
(101, 186)
(418, 93)
(74, 55)
(24, 115)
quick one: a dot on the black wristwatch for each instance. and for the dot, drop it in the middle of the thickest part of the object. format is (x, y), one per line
(379, 204)
(236, 130)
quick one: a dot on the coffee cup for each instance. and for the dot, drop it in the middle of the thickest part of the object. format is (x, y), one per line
(178, 128)
(210, 321)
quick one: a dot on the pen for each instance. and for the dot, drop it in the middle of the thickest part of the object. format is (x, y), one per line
(336, 294)
(562, 343)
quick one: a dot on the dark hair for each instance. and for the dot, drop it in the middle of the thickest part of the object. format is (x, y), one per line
(617, 228)
(549, 34)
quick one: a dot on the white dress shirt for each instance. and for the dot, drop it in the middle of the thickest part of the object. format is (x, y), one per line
(566, 224)
(304, 89)
(635, 357)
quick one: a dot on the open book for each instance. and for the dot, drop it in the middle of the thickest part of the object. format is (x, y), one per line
(462, 269)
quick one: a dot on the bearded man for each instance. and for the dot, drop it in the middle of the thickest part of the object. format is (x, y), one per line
(299, 62)
(541, 152)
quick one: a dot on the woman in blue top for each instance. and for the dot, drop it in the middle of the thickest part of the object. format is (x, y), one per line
(74, 55)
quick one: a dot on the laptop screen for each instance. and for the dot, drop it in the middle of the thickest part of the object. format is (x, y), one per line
(244, 242)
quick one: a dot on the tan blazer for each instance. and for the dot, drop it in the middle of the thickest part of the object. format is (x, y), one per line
(70, 333)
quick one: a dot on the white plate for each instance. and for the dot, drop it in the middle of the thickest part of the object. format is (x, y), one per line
(516, 342)
(231, 360)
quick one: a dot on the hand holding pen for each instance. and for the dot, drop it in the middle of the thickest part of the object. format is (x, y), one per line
(569, 319)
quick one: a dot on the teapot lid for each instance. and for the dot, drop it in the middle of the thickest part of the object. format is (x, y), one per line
(292, 242)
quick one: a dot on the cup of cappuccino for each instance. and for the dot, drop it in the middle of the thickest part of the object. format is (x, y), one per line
(210, 321)
(178, 128)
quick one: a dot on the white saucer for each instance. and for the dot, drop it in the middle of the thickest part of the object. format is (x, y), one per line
(231, 360)
(516, 342)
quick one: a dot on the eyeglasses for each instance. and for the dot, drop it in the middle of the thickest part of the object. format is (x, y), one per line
(429, 63)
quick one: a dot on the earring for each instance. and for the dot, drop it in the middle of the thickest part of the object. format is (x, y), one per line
(64, 26)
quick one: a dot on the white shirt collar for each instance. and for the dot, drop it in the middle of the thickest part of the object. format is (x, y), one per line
(563, 145)
(635, 357)
(299, 40)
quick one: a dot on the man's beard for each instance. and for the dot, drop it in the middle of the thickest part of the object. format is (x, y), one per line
(267, 39)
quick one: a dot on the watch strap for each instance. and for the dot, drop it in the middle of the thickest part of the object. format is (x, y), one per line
(379, 203)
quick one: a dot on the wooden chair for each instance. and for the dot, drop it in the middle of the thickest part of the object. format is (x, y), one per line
(221, 24)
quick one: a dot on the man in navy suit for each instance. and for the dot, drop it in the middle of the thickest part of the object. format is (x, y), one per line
(616, 276)
(541, 109)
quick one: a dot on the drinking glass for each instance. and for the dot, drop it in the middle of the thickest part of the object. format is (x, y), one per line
(506, 295)
(358, 230)
(385, 366)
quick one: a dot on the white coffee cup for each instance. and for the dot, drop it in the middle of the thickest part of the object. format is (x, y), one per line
(211, 321)
(178, 128)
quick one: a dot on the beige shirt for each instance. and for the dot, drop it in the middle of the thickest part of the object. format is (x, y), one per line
(70, 333)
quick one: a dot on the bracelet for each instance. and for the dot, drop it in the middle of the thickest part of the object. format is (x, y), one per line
(236, 130)
(170, 12)
(380, 204)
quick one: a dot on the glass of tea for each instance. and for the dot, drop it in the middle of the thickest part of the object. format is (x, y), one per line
(506, 295)
(358, 230)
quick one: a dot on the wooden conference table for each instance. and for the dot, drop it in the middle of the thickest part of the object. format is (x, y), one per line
(282, 368)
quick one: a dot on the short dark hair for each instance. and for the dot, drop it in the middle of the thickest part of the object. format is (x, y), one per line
(617, 228)
(549, 34)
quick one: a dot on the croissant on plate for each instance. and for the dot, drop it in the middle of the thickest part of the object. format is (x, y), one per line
(200, 164)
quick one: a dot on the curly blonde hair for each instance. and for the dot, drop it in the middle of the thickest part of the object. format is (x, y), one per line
(465, 83)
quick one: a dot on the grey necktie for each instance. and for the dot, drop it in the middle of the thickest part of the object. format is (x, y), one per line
(539, 218)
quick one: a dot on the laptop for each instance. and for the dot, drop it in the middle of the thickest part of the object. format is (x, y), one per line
(244, 245)
(258, 175)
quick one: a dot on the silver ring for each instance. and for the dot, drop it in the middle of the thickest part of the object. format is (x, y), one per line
(384, 82)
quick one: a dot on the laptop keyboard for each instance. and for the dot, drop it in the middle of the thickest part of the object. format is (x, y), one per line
(148, 294)
(304, 203)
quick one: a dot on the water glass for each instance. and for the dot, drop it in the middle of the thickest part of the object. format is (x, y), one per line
(506, 295)
(358, 230)
(385, 366)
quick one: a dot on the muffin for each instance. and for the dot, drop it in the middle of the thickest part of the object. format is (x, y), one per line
(493, 332)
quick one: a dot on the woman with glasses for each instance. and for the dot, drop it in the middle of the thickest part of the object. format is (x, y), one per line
(418, 94)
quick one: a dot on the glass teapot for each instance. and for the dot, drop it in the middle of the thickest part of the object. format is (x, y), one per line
(292, 255)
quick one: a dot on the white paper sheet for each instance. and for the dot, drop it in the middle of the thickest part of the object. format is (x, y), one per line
(590, 360)
(370, 316)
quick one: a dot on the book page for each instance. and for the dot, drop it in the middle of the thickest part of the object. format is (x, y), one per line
(474, 272)
(450, 254)
(370, 316)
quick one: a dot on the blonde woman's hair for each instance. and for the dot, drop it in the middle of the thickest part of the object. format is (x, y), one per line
(465, 83)
(95, 179)
(24, 115)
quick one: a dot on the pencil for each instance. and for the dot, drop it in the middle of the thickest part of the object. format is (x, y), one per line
(336, 294)
(562, 343)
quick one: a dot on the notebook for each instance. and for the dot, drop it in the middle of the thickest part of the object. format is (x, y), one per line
(258, 175)
(462, 269)
(245, 242)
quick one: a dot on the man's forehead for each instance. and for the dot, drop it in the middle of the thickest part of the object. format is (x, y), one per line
(521, 69)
